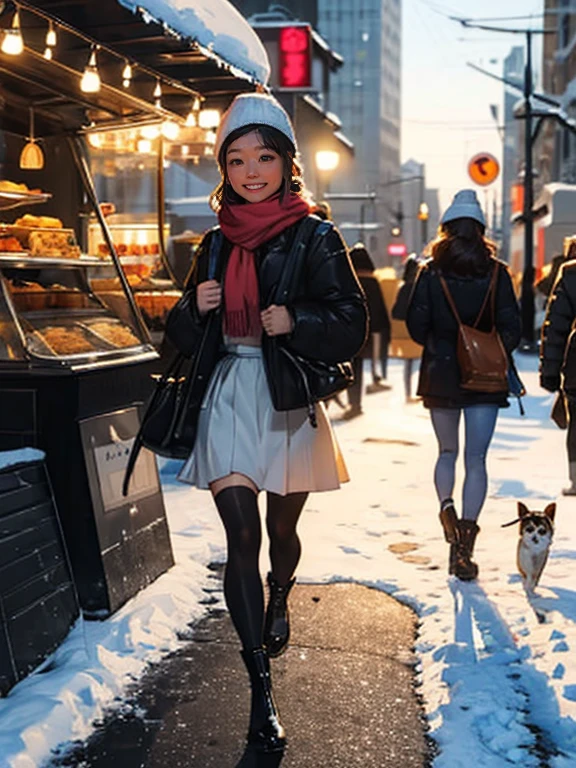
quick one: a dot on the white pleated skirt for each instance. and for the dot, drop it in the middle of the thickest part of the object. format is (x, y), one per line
(239, 431)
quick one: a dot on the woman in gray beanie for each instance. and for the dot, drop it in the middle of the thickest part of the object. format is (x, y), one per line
(466, 260)
(254, 340)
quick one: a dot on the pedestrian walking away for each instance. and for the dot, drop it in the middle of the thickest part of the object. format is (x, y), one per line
(401, 343)
(558, 357)
(379, 326)
(465, 259)
(249, 438)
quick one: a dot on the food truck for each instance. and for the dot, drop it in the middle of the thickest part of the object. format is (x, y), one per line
(76, 353)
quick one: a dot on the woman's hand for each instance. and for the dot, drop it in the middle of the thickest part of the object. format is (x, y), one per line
(276, 320)
(208, 296)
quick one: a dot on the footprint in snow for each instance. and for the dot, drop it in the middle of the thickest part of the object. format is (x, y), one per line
(402, 550)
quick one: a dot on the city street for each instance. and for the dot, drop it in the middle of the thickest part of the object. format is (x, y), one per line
(494, 669)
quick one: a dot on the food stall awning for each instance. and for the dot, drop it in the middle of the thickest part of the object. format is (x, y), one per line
(175, 49)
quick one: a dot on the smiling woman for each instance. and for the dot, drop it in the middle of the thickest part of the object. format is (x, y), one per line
(273, 295)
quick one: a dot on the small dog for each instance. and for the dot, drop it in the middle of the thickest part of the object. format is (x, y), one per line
(536, 532)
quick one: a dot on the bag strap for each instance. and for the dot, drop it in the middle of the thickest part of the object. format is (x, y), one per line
(215, 267)
(172, 370)
(306, 228)
(490, 294)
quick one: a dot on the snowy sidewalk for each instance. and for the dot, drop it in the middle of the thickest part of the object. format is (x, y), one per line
(499, 687)
(344, 689)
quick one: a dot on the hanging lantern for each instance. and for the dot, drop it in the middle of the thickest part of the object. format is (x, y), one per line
(13, 44)
(32, 157)
(51, 36)
(90, 82)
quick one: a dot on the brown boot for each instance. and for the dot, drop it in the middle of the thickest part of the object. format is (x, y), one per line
(464, 567)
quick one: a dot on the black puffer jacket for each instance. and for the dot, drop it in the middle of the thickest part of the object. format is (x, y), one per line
(558, 348)
(431, 323)
(328, 305)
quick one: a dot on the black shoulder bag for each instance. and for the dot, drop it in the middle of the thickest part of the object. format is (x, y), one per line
(296, 381)
(169, 423)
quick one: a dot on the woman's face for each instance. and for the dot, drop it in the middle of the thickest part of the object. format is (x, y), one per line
(253, 170)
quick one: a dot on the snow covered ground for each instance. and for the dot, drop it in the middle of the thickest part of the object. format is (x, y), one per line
(497, 670)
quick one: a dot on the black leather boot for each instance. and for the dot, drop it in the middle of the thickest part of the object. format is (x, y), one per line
(464, 567)
(277, 621)
(266, 733)
(449, 520)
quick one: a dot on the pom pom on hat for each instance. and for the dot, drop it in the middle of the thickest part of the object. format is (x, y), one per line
(465, 205)
(253, 109)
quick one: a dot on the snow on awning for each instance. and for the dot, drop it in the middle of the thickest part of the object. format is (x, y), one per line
(215, 25)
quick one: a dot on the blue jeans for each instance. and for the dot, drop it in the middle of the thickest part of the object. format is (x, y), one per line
(479, 424)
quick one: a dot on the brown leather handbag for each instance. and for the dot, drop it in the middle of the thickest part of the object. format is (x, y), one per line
(482, 359)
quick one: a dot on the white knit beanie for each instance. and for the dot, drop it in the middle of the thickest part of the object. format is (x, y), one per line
(253, 109)
(464, 206)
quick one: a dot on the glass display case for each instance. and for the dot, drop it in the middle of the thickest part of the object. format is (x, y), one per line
(58, 306)
(128, 171)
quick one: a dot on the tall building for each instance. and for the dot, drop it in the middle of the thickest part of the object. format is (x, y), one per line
(415, 233)
(365, 93)
(511, 153)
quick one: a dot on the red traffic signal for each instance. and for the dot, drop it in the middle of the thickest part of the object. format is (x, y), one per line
(295, 57)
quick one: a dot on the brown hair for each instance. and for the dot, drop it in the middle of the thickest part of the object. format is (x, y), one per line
(462, 248)
(272, 139)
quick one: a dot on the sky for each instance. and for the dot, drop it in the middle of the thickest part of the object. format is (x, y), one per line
(445, 104)
(495, 666)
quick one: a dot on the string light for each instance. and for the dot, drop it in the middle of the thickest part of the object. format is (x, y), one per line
(170, 130)
(208, 118)
(13, 44)
(158, 94)
(126, 75)
(51, 36)
(90, 82)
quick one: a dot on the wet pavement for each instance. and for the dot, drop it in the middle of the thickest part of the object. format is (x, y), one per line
(345, 691)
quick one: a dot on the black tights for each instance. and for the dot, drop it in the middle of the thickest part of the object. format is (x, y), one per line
(238, 509)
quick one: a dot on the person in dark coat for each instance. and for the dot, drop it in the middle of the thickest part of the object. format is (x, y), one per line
(244, 445)
(558, 355)
(465, 258)
(379, 323)
(399, 312)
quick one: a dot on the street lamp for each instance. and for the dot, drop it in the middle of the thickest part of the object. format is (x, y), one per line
(423, 212)
(327, 161)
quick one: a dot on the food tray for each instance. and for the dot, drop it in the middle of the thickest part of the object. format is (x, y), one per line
(111, 344)
(16, 199)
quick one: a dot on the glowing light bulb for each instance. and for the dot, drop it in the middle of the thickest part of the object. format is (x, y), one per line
(158, 90)
(144, 146)
(48, 52)
(190, 120)
(208, 118)
(150, 132)
(127, 75)
(95, 140)
(51, 36)
(90, 82)
(170, 130)
(13, 44)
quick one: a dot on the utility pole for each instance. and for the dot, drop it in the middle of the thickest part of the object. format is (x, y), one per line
(527, 289)
(527, 294)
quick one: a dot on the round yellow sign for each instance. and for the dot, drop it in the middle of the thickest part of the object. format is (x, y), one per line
(483, 169)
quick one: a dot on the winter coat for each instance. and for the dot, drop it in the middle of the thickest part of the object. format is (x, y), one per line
(558, 348)
(379, 322)
(328, 306)
(431, 323)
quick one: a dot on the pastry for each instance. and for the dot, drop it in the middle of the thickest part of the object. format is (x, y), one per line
(12, 186)
(42, 222)
(10, 244)
(53, 244)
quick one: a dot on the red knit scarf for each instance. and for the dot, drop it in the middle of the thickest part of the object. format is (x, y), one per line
(248, 226)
